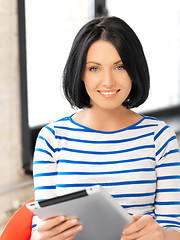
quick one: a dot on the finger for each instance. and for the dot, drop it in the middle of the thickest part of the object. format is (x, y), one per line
(62, 231)
(70, 238)
(60, 237)
(137, 225)
(127, 229)
(137, 216)
(144, 237)
(67, 228)
(71, 232)
(136, 235)
(151, 231)
(50, 223)
(148, 236)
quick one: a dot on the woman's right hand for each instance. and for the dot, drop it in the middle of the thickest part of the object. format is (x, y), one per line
(57, 228)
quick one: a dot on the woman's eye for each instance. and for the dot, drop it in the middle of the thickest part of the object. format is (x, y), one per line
(93, 69)
(119, 67)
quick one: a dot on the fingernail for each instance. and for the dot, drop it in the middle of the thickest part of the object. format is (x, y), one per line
(61, 218)
(79, 228)
(74, 221)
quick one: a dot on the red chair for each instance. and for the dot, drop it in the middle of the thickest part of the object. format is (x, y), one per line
(19, 226)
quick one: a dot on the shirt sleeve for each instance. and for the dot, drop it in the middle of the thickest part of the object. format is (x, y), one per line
(167, 201)
(44, 167)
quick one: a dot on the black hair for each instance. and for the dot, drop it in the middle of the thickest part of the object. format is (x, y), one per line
(129, 48)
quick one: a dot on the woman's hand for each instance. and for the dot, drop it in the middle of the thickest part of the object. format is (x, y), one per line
(58, 228)
(143, 228)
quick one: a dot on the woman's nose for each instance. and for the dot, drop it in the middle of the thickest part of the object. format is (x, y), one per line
(108, 79)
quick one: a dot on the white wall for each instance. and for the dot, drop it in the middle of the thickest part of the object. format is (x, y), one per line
(11, 172)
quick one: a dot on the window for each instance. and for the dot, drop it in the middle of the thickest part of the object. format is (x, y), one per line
(157, 24)
(50, 30)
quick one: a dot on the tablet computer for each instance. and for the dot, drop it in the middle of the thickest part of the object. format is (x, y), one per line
(101, 215)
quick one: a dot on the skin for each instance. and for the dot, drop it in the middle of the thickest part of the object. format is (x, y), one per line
(108, 85)
(106, 81)
(58, 228)
(146, 228)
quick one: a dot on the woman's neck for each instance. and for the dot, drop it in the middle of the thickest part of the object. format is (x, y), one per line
(106, 120)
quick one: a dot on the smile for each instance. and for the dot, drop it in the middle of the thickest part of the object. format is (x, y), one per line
(109, 93)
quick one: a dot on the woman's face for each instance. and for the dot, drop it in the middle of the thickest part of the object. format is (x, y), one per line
(106, 81)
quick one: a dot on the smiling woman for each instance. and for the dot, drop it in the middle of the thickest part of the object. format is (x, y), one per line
(129, 52)
(134, 157)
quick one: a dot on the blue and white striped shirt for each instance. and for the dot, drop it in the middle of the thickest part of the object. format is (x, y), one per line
(138, 165)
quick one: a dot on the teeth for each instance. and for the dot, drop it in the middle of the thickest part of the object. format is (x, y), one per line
(108, 93)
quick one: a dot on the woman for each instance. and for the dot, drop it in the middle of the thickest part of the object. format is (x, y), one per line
(134, 157)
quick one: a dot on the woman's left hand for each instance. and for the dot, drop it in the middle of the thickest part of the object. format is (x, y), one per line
(143, 228)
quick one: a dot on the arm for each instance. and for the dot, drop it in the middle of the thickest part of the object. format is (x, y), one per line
(167, 201)
(45, 173)
(44, 168)
(166, 225)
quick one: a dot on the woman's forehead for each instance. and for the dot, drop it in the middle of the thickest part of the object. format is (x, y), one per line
(101, 50)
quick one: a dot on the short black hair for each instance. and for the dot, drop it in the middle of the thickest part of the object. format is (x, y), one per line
(129, 48)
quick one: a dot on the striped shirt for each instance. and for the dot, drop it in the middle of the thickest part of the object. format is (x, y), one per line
(138, 165)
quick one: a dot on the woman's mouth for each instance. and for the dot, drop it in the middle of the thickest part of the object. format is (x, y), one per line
(109, 93)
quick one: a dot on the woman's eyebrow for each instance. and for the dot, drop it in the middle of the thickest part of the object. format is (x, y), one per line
(120, 61)
(93, 62)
